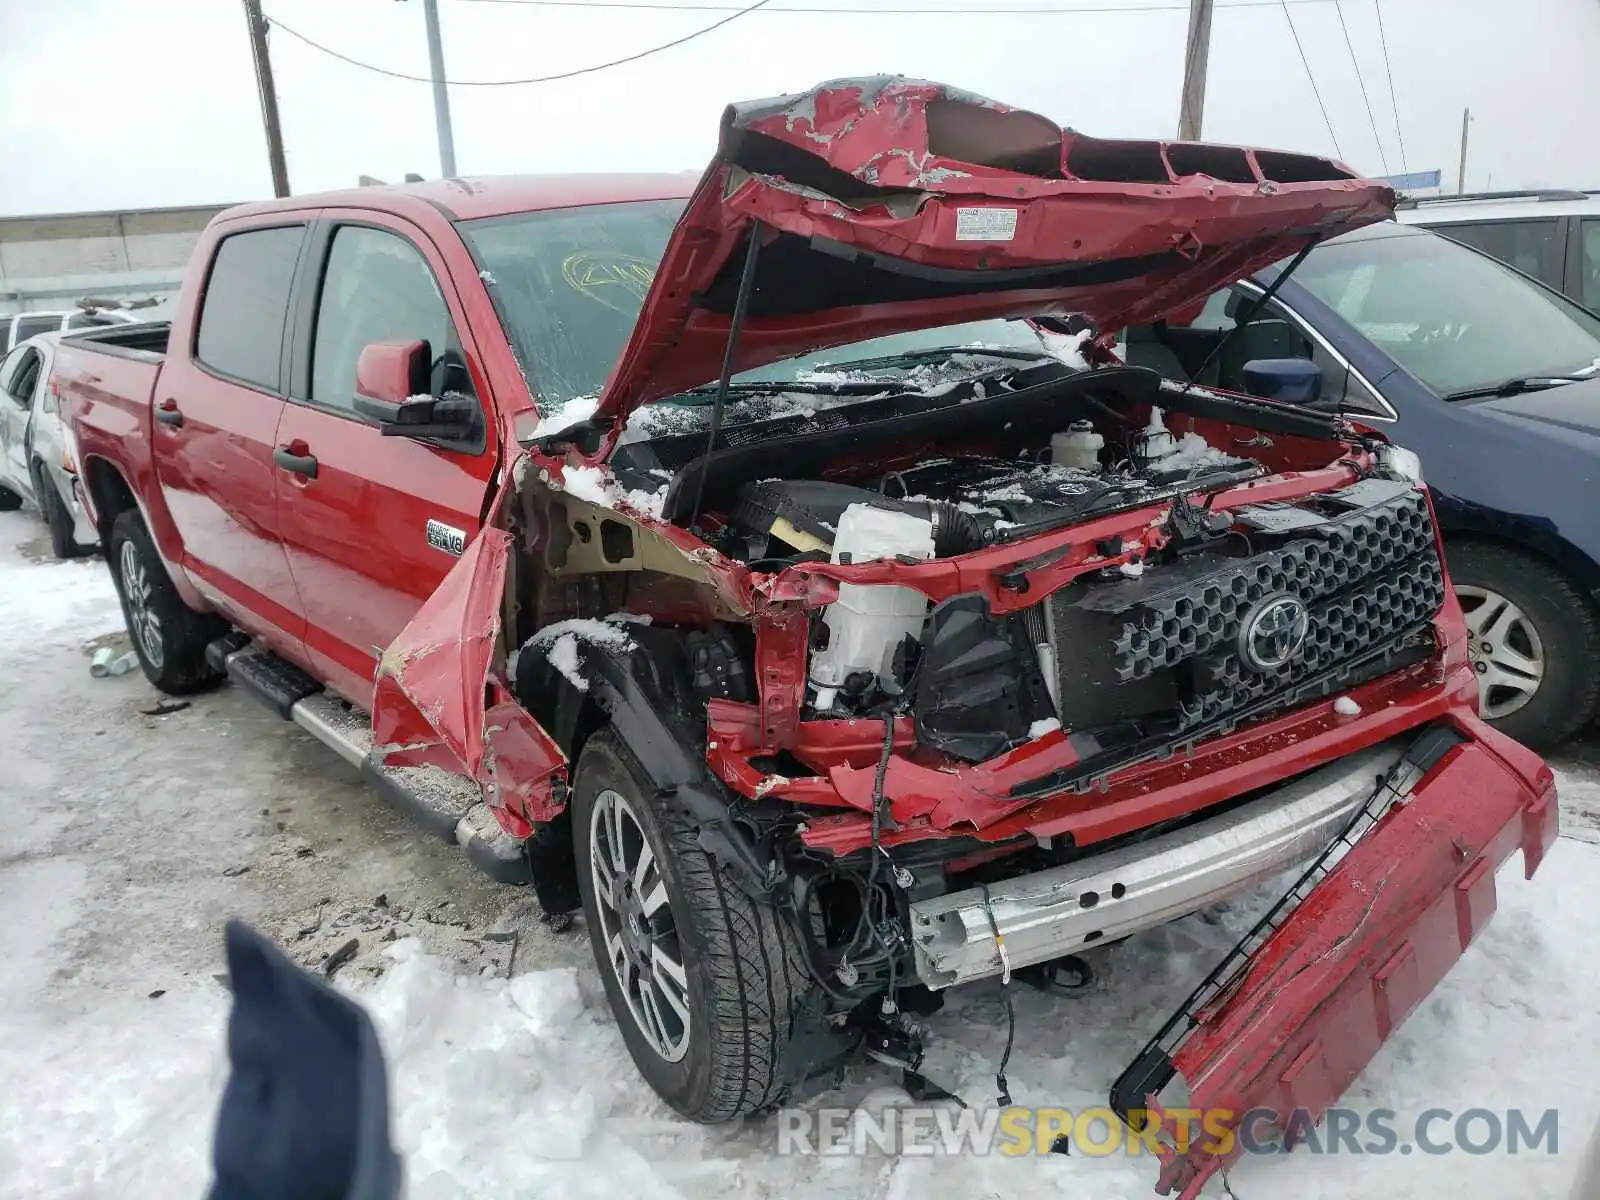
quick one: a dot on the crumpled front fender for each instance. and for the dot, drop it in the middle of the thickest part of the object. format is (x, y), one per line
(436, 702)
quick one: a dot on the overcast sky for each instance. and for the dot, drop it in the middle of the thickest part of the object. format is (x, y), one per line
(125, 103)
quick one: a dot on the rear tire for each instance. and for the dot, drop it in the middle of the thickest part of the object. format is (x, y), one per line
(169, 637)
(9, 500)
(57, 517)
(1534, 640)
(728, 980)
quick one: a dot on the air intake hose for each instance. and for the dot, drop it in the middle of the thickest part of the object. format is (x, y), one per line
(954, 531)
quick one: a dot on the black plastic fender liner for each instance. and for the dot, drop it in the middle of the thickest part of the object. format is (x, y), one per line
(642, 689)
(551, 868)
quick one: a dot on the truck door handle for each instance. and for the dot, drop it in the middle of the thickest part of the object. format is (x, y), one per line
(168, 414)
(300, 463)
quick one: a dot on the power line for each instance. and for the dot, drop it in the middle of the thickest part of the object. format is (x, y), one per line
(1315, 90)
(1389, 71)
(860, 10)
(1362, 83)
(616, 62)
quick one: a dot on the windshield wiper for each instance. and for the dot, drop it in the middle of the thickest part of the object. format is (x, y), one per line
(828, 380)
(853, 387)
(1515, 387)
(937, 354)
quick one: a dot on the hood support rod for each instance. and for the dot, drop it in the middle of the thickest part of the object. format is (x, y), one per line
(741, 305)
(1250, 313)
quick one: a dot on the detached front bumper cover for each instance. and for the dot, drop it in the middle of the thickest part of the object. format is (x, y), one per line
(1299, 1007)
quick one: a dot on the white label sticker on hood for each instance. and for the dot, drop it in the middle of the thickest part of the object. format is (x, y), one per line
(986, 224)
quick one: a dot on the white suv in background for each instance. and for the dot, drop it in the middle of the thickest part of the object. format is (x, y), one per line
(1552, 235)
(16, 328)
(38, 456)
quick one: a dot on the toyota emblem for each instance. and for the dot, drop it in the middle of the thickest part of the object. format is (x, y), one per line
(1273, 632)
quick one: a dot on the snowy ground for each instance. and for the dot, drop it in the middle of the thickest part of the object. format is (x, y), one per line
(126, 839)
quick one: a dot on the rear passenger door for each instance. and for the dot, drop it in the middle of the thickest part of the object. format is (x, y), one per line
(215, 430)
(356, 518)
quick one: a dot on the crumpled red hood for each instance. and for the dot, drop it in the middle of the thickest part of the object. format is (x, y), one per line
(889, 204)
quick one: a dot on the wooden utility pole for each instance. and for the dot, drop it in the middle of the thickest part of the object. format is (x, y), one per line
(1461, 171)
(1191, 109)
(269, 96)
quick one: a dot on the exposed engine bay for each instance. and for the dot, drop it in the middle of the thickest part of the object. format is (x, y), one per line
(1019, 448)
(1126, 661)
(1048, 663)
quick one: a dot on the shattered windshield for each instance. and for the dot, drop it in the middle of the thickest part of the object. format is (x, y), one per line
(569, 284)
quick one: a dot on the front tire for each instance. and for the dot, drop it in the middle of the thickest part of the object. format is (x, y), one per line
(704, 982)
(169, 637)
(1534, 641)
(9, 500)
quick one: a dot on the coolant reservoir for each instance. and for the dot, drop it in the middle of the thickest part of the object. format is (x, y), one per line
(1078, 448)
(867, 623)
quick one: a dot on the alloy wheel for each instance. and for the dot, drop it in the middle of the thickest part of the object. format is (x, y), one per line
(1506, 651)
(142, 620)
(636, 926)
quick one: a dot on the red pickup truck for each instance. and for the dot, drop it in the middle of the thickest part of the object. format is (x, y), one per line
(781, 567)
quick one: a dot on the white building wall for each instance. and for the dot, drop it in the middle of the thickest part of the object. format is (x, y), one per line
(52, 262)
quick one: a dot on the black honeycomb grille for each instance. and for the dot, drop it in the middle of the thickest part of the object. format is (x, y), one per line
(1367, 575)
(1350, 623)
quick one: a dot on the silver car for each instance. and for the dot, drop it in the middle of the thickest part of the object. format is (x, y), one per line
(38, 460)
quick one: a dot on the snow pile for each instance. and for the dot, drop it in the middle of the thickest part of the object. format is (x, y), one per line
(596, 485)
(1194, 453)
(1132, 569)
(45, 605)
(1579, 789)
(1041, 727)
(561, 640)
(662, 419)
(1346, 707)
(564, 658)
(574, 412)
(1067, 347)
(604, 632)
(524, 1088)
(462, 1049)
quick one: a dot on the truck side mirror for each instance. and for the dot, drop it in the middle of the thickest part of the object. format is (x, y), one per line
(388, 374)
(394, 388)
(1286, 380)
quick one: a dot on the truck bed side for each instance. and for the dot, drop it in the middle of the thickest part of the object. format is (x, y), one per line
(107, 381)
